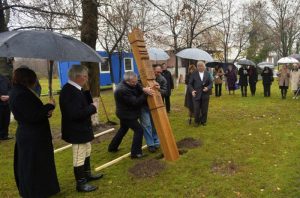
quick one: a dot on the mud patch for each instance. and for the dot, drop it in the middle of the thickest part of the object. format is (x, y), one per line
(189, 143)
(147, 168)
(224, 167)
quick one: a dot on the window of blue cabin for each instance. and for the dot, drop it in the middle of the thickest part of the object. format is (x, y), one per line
(104, 66)
(128, 64)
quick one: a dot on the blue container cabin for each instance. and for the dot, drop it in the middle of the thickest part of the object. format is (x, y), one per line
(127, 64)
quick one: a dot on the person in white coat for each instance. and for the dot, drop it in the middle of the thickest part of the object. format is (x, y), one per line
(294, 78)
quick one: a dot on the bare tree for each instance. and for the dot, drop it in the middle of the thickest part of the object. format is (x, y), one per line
(284, 16)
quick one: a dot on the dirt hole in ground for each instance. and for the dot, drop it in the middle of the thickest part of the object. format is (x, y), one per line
(147, 168)
(189, 143)
(224, 167)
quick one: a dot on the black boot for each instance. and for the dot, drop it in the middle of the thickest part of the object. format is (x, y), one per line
(88, 172)
(81, 181)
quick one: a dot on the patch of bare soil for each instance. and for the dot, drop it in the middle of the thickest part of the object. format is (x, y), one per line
(224, 167)
(189, 143)
(147, 168)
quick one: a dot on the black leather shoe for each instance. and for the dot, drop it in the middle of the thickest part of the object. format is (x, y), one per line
(137, 156)
(90, 177)
(151, 149)
(113, 150)
(7, 138)
(203, 123)
(85, 187)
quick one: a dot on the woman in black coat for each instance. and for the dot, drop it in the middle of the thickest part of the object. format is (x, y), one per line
(188, 100)
(34, 166)
(243, 81)
(267, 79)
(252, 79)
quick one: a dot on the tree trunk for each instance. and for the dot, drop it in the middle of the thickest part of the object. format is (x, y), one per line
(89, 35)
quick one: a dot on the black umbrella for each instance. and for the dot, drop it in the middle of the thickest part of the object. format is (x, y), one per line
(246, 62)
(46, 45)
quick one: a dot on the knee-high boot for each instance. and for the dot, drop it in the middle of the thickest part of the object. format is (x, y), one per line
(88, 172)
(81, 181)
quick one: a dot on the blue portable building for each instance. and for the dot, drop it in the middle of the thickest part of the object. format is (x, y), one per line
(127, 64)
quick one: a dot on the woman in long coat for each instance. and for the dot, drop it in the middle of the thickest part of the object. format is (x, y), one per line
(267, 79)
(231, 78)
(252, 79)
(34, 166)
(218, 79)
(188, 101)
(243, 81)
(295, 77)
(283, 80)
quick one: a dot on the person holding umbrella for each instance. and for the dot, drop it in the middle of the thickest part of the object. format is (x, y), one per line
(34, 165)
(267, 79)
(252, 79)
(283, 80)
(188, 100)
(243, 81)
(295, 76)
(231, 78)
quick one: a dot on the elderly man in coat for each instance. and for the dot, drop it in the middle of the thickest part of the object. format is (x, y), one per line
(200, 83)
(76, 109)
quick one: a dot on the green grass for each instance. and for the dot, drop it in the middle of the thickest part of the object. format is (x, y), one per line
(259, 135)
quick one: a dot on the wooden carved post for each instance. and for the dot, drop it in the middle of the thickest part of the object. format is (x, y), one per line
(155, 102)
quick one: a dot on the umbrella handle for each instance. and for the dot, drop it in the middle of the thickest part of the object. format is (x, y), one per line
(50, 74)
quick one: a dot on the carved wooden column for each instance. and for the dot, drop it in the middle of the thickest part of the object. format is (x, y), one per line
(155, 102)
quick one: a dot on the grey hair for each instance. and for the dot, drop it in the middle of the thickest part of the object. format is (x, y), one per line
(129, 75)
(200, 63)
(77, 70)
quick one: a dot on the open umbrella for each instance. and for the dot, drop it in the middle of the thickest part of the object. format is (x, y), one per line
(246, 62)
(195, 54)
(265, 64)
(157, 54)
(287, 60)
(295, 56)
(46, 45)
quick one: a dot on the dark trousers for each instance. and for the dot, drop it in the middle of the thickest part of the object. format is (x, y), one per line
(218, 89)
(283, 91)
(253, 88)
(200, 110)
(267, 90)
(244, 90)
(136, 147)
(4, 120)
(166, 100)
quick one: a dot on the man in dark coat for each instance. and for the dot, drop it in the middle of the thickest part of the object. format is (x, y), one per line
(200, 83)
(5, 86)
(76, 110)
(170, 85)
(243, 81)
(129, 97)
(34, 164)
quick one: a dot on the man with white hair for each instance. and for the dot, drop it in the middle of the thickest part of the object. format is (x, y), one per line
(199, 85)
(76, 126)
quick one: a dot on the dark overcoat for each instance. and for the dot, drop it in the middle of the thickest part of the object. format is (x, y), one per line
(267, 76)
(170, 83)
(34, 165)
(243, 73)
(76, 111)
(196, 84)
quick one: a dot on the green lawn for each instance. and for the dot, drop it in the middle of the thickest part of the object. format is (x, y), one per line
(260, 136)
